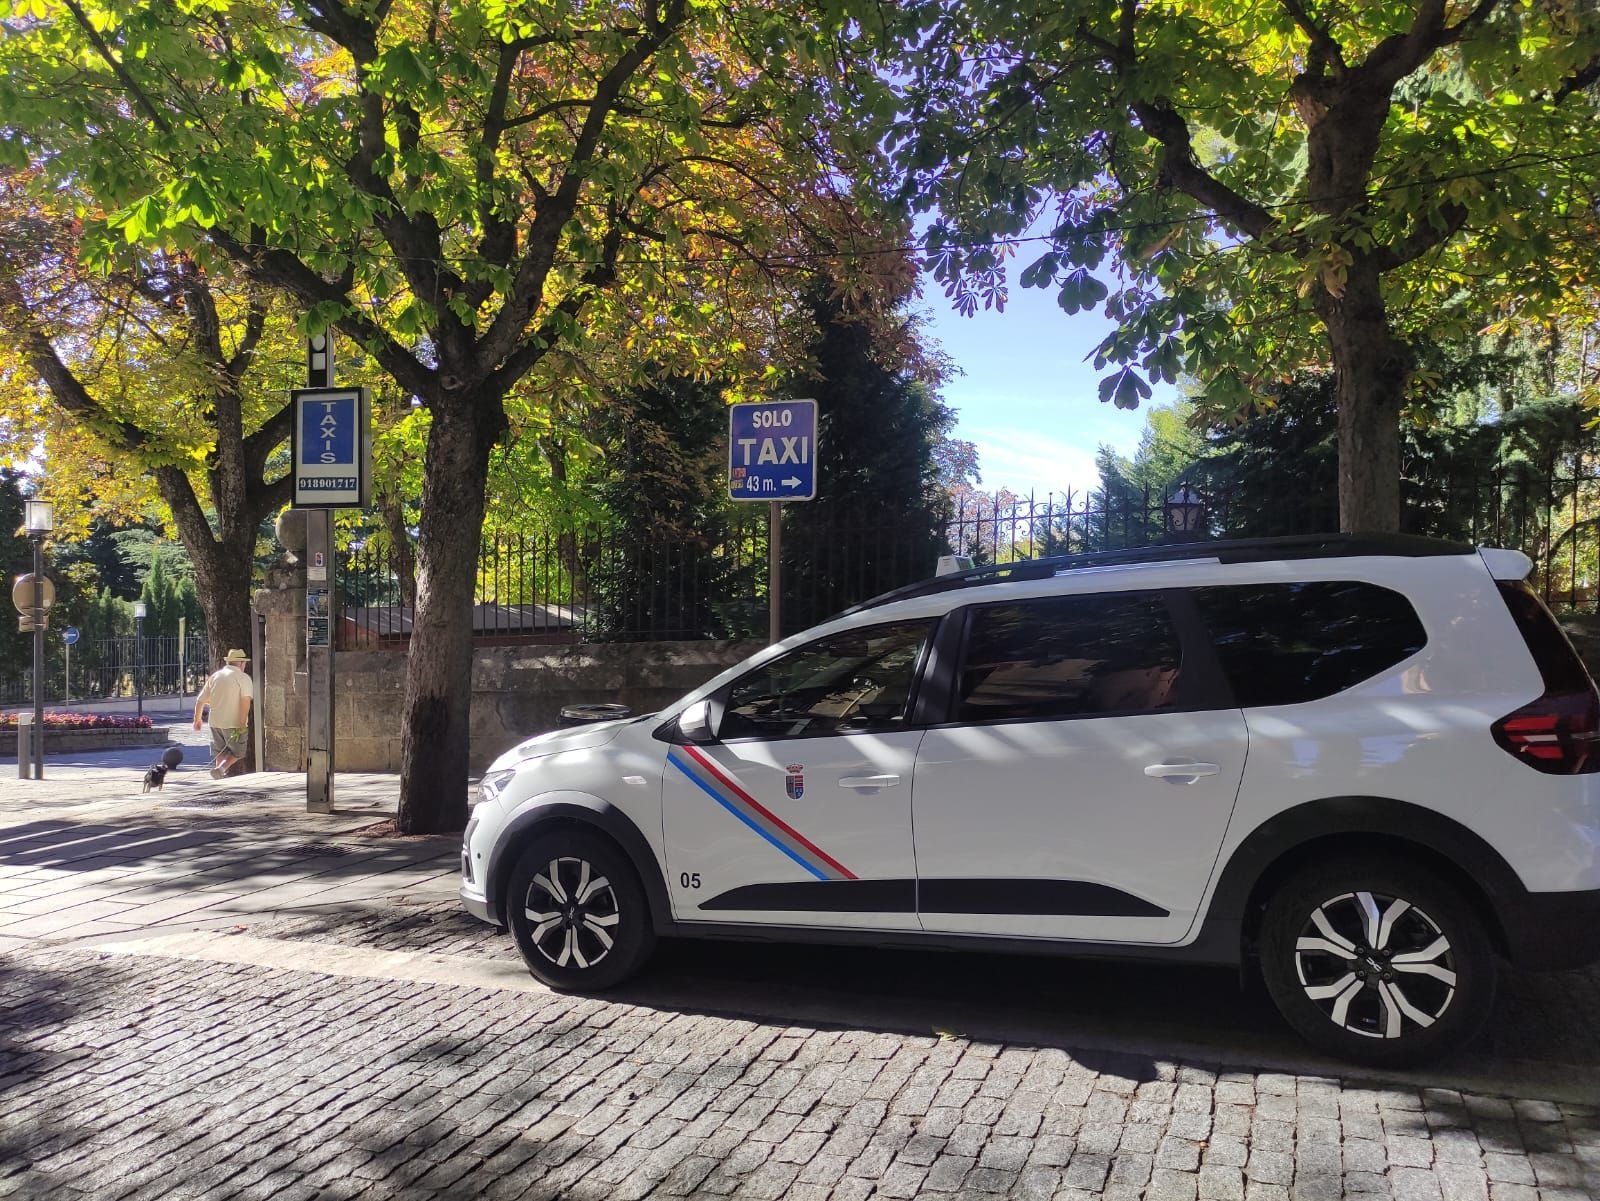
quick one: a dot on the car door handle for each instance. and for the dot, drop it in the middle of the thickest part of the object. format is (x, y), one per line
(869, 781)
(1188, 771)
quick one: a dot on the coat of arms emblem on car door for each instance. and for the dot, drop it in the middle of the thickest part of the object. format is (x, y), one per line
(794, 780)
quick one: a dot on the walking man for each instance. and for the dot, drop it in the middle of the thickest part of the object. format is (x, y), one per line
(228, 692)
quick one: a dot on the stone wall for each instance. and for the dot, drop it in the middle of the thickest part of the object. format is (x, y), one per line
(516, 690)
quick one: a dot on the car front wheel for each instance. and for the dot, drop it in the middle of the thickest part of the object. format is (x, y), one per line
(1377, 960)
(577, 911)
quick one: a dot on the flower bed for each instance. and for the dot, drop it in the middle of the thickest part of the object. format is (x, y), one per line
(67, 720)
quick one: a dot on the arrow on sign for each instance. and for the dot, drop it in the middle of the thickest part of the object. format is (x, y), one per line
(791, 482)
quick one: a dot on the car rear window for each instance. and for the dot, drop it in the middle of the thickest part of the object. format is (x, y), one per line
(1559, 664)
(1285, 644)
(1070, 656)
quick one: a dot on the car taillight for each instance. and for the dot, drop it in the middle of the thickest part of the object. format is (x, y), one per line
(1559, 733)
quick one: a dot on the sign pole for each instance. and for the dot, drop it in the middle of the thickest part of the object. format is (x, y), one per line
(774, 572)
(38, 655)
(319, 664)
(319, 643)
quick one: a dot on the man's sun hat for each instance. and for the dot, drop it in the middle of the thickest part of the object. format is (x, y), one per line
(234, 656)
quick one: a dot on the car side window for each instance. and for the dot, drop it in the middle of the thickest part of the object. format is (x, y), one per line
(854, 681)
(1284, 644)
(1070, 656)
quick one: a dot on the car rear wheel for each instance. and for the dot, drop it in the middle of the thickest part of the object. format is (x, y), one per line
(577, 911)
(1377, 960)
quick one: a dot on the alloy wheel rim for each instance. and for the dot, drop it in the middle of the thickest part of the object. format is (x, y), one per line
(572, 913)
(1375, 965)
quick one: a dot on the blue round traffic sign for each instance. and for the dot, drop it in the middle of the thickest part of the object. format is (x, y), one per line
(69, 635)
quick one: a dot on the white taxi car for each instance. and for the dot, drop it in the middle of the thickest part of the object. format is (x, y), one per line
(1363, 765)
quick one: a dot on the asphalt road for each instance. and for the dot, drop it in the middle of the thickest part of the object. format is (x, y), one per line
(157, 707)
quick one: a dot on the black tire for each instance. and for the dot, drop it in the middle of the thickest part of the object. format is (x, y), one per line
(1400, 1002)
(572, 954)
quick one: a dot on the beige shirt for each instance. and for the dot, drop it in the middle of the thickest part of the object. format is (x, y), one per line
(226, 692)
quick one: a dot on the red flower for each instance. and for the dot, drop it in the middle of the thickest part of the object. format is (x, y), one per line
(56, 719)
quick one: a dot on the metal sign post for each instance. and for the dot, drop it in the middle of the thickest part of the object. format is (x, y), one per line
(331, 453)
(772, 456)
(68, 637)
(34, 596)
(39, 620)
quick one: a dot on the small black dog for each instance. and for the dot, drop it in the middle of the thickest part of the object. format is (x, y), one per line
(156, 776)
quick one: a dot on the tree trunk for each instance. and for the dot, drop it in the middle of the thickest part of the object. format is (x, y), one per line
(1371, 369)
(438, 698)
(222, 578)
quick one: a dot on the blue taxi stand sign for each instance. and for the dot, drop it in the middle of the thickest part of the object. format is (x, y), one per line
(772, 450)
(330, 443)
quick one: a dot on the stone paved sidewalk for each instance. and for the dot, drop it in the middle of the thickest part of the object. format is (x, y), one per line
(85, 854)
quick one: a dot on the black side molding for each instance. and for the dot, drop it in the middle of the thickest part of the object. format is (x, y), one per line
(821, 896)
(1052, 898)
(1055, 898)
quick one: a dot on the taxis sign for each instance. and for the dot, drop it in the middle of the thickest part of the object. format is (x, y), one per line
(331, 441)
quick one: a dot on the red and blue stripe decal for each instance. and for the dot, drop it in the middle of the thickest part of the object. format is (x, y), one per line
(725, 791)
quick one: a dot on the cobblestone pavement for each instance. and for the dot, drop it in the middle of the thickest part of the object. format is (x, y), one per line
(1546, 1024)
(135, 1077)
(328, 1025)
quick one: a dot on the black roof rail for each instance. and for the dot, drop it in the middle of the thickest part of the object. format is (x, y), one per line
(1236, 550)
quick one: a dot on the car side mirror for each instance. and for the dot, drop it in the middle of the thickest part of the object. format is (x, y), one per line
(694, 724)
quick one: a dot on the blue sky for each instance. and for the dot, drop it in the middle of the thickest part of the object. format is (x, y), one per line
(1027, 395)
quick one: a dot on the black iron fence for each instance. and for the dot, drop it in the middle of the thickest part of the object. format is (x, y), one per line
(591, 585)
(104, 668)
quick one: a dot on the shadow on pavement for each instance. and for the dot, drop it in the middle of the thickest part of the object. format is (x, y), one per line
(85, 846)
(1544, 1024)
(1550, 1018)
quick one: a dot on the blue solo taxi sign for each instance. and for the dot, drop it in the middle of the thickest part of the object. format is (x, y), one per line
(772, 450)
(331, 441)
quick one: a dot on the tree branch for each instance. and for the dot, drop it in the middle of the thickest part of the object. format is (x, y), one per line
(273, 433)
(1423, 238)
(1583, 78)
(498, 241)
(551, 217)
(283, 270)
(187, 512)
(1182, 170)
(66, 389)
(1324, 47)
(1397, 56)
(548, 335)
(255, 324)
(201, 308)
(104, 50)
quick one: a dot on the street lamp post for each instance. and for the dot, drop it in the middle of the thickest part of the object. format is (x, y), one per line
(39, 520)
(139, 611)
